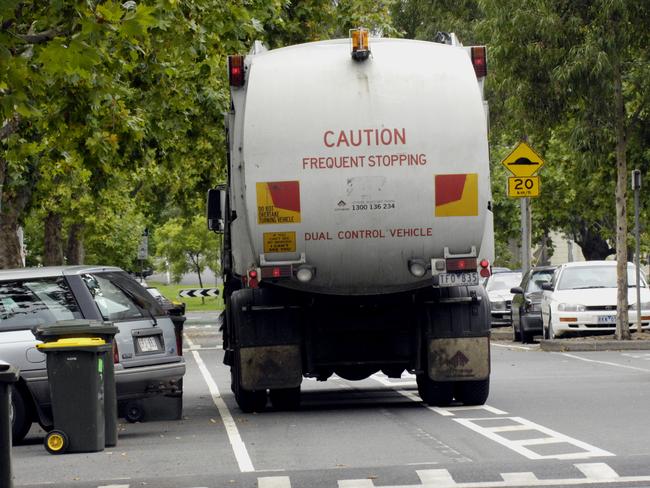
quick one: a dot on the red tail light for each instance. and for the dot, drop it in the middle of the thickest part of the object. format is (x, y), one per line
(253, 280)
(236, 70)
(116, 353)
(479, 60)
(485, 268)
(274, 272)
(461, 264)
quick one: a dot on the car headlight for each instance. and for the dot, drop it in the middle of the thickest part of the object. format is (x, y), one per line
(498, 305)
(571, 307)
(644, 306)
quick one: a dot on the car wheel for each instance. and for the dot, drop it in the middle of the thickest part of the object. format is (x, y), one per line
(434, 393)
(472, 392)
(526, 337)
(19, 415)
(134, 412)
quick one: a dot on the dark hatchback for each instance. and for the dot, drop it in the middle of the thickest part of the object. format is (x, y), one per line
(526, 300)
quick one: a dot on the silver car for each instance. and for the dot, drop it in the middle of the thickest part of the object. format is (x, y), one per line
(146, 354)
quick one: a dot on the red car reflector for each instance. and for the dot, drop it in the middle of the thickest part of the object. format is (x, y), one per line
(274, 272)
(461, 264)
(479, 60)
(485, 273)
(236, 70)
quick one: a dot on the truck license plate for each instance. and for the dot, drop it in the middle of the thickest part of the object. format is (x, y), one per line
(148, 344)
(458, 279)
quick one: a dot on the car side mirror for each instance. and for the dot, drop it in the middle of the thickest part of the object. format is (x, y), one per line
(216, 206)
(547, 287)
(517, 290)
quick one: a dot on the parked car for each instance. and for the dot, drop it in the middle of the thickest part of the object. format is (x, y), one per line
(526, 304)
(581, 298)
(147, 362)
(498, 287)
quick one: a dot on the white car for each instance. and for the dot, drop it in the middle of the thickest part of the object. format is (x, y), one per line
(498, 289)
(581, 297)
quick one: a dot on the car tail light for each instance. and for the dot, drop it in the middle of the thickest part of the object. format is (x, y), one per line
(479, 60)
(236, 70)
(461, 264)
(116, 353)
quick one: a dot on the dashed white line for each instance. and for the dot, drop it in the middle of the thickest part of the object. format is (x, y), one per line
(274, 482)
(236, 442)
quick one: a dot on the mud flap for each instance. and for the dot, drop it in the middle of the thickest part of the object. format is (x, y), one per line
(270, 367)
(459, 359)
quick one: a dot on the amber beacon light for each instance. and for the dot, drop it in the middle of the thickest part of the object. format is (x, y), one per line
(359, 39)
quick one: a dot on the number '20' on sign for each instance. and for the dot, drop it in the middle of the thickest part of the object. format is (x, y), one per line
(521, 187)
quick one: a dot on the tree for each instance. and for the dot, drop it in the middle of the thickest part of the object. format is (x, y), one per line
(187, 246)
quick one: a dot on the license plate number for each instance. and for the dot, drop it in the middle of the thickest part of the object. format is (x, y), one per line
(457, 279)
(607, 319)
(148, 344)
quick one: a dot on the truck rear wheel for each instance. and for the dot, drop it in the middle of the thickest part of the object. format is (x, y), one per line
(285, 398)
(248, 401)
(434, 393)
(472, 392)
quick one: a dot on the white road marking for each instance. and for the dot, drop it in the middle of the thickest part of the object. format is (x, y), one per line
(519, 446)
(599, 471)
(114, 486)
(274, 482)
(512, 346)
(361, 483)
(435, 477)
(236, 442)
(595, 473)
(517, 424)
(606, 363)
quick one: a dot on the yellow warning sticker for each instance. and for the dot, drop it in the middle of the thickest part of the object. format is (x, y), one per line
(279, 242)
(278, 202)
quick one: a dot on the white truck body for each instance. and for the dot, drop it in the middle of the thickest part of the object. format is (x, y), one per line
(357, 167)
(357, 219)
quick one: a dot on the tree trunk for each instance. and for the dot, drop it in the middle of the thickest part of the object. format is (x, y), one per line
(10, 252)
(622, 322)
(592, 244)
(53, 242)
(75, 252)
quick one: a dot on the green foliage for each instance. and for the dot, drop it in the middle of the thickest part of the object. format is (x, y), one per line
(187, 246)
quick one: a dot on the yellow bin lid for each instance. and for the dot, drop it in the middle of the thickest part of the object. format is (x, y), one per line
(73, 342)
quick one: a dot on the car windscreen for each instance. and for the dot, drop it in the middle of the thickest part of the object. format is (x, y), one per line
(585, 277)
(538, 279)
(28, 303)
(503, 281)
(119, 297)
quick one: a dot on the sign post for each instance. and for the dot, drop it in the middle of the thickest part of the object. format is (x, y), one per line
(523, 162)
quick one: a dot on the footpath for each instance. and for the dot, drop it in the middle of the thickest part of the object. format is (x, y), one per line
(586, 343)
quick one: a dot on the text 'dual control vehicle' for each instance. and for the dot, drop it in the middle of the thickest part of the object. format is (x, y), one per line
(356, 218)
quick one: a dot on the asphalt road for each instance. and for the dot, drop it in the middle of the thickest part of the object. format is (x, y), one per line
(552, 419)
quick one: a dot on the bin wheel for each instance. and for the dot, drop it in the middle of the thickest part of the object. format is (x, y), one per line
(134, 413)
(56, 442)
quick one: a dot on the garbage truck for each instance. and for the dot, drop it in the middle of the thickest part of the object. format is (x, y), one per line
(356, 218)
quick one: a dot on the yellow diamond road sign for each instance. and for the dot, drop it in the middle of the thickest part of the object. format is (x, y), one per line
(523, 161)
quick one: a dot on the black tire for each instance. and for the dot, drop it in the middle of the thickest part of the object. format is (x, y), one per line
(435, 393)
(285, 398)
(472, 392)
(20, 416)
(134, 412)
(56, 442)
(251, 401)
(526, 337)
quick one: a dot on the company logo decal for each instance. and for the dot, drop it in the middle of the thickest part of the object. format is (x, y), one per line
(456, 195)
(278, 202)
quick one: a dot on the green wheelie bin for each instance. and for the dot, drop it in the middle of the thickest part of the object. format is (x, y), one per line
(8, 376)
(75, 370)
(103, 330)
